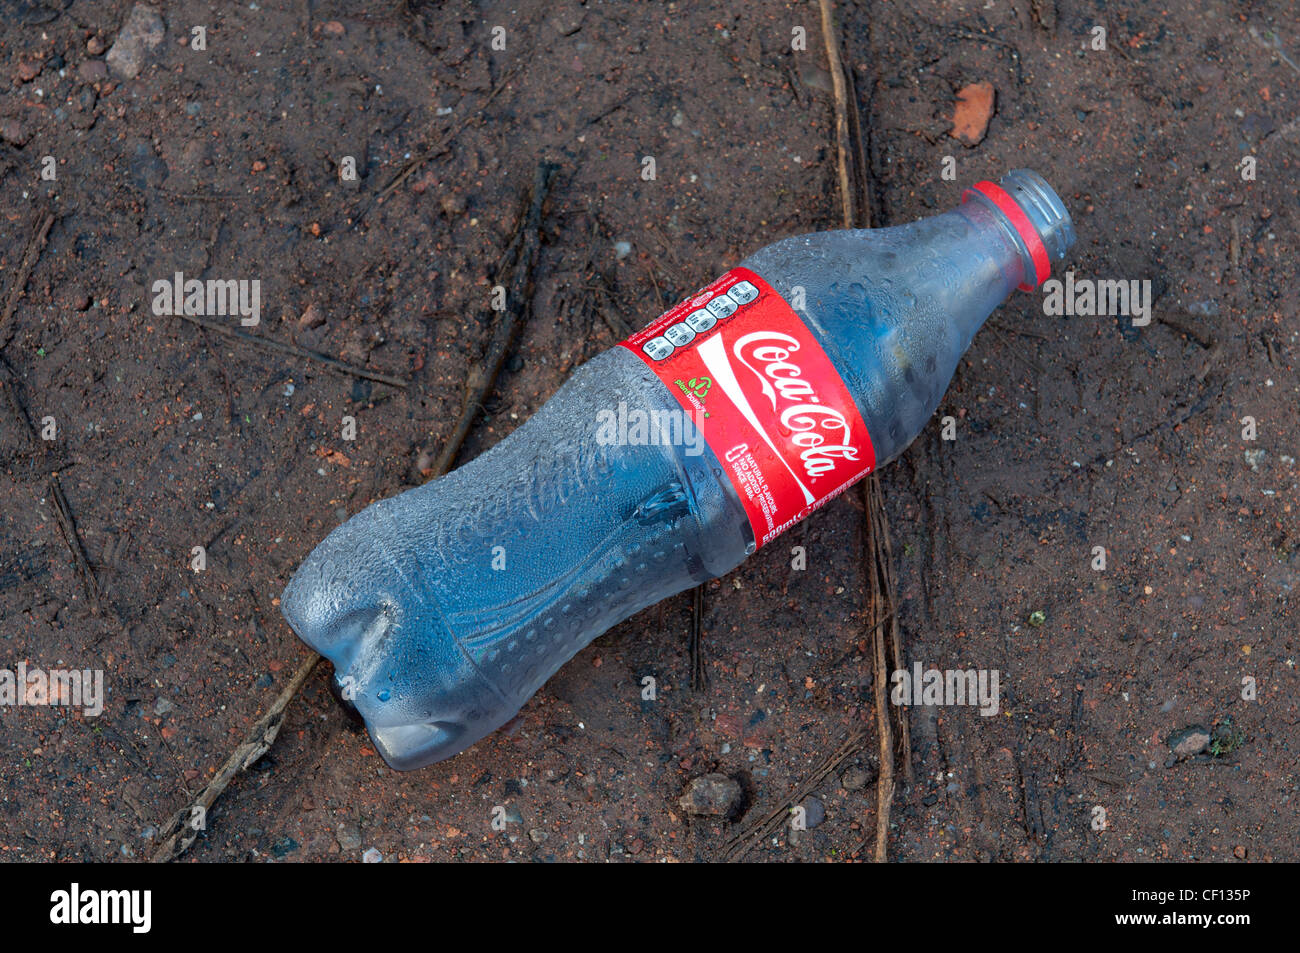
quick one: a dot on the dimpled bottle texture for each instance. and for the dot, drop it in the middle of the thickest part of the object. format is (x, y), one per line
(820, 357)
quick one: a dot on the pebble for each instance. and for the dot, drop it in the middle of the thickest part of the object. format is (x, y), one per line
(972, 112)
(92, 71)
(12, 131)
(372, 856)
(622, 250)
(712, 795)
(142, 32)
(28, 70)
(814, 812)
(566, 20)
(855, 779)
(162, 706)
(1189, 741)
(348, 834)
(313, 317)
(537, 835)
(95, 46)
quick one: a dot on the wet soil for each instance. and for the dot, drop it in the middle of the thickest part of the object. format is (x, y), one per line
(1072, 432)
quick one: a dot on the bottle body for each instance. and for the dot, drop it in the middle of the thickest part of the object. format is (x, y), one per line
(445, 608)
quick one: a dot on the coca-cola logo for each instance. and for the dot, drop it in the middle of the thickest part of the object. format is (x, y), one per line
(820, 433)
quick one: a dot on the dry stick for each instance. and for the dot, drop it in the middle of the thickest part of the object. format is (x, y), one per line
(63, 513)
(744, 840)
(841, 114)
(183, 827)
(886, 638)
(273, 345)
(33, 251)
(519, 261)
(434, 151)
(699, 671)
(14, 402)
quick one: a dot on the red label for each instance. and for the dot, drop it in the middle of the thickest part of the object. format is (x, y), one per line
(765, 396)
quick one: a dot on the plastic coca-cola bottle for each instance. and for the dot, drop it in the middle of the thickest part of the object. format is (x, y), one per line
(660, 464)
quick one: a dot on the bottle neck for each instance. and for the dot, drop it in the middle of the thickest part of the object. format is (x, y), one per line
(1028, 214)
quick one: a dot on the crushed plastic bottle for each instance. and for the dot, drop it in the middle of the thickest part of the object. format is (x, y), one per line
(660, 464)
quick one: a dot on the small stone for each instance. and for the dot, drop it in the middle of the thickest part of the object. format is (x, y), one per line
(259, 165)
(95, 46)
(348, 834)
(971, 115)
(142, 32)
(1239, 852)
(814, 812)
(12, 131)
(537, 835)
(334, 28)
(28, 70)
(712, 795)
(92, 71)
(372, 856)
(452, 204)
(162, 706)
(855, 779)
(313, 317)
(1190, 741)
(622, 250)
(567, 19)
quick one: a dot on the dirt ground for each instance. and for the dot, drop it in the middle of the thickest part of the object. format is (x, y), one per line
(1073, 432)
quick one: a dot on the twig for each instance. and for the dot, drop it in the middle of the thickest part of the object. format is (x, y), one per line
(63, 513)
(886, 636)
(437, 149)
(183, 828)
(14, 401)
(35, 245)
(517, 265)
(699, 671)
(274, 345)
(1204, 340)
(832, 42)
(744, 840)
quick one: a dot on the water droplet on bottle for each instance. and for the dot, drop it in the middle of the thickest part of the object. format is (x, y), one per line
(383, 694)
